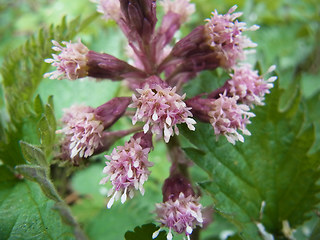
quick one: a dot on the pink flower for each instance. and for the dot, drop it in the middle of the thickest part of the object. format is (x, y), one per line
(161, 108)
(109, 8)
(182, 215)
(71, 63)
(249, 86)
(181, 7)
(83, 131)
(127, 169)
(226, 117)
(225, 37)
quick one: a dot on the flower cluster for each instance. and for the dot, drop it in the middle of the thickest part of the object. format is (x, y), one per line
(181, 215)
(156, 75)
(163, 109)
(127, 168)
(249, 86)
(226, 38)
(82, 129)
(226, 117)
(71, 63)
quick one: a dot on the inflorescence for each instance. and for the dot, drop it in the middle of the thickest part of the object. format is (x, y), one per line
(158, 72)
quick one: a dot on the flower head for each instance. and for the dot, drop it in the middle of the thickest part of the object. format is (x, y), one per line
(161, 108)
(109, 8)
(127, 169)
(182, 215)
(71, 63)
(226, 117)
(249, 86)
(225, 37)
(83, 131)
(181, 7)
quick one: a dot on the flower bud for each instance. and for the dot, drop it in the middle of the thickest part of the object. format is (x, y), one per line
(139, 19)
(174, 185)
(112, 110)
(102, 65)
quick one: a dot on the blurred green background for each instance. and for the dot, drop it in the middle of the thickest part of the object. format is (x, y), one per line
(289, 37)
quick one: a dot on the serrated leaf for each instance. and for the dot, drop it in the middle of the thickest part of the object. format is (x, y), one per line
(145, 233)
(271, 167)
(35, 220)
(33, 155)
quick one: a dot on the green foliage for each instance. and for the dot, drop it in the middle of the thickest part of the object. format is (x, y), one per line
(272, 167)
(22, 72)
(144, 233)
(26, 213)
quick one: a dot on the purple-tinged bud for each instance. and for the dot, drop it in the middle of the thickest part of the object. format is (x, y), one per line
(161, 108)
(139, 19)
(145, 139)
(226, 39)
(180, 210)
(102, 65)
(190, 55)
(109, 8)
(249, 86)
(192, 44)
(127, 170)
(174, 185)
(71, 63)
(112, 110)
(200, 108)
(169, 25)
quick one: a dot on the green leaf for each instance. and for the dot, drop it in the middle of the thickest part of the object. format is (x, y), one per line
(313, 106)
(33, 155)
(38, 105)
(26, 213)
(145, 233)
(39, 175)
(51, 119)
(272, 168)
